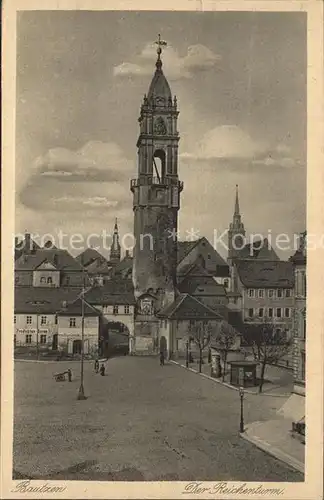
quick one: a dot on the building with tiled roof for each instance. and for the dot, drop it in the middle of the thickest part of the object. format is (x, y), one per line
(267, 292)
(265, 274)
(88, 256)
(48, 267)
(259, 249)
(176, 320)
(51, 319)
(203, 253)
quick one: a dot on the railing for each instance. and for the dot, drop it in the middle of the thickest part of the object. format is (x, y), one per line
(156, 181)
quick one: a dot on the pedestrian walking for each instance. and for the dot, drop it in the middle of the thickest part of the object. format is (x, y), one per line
(96, 366)
(69, 372)
(102, 370)
(161, 358)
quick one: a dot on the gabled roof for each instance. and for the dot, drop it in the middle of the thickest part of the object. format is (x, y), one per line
(37, 300)
(213, 260)
(75, 308)
(88, 256)
(60, 259)
(266, 274)
(113, 292)
(187, 307)
(184, 247)
(299, 258)
(46, 265)
(260, 250)
(125, 266)
(98, 268)
(206, 285)
(194, 269)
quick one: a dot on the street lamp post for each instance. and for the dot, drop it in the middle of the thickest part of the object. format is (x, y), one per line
(37, 337)
(187, 354)
(81, 395)
(241, 392)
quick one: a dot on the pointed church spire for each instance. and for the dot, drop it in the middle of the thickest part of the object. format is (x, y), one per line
(159, 93)
(115, 246)
(236, 232)
(237, 206)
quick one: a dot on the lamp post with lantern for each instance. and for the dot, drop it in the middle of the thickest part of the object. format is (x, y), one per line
(241, 393)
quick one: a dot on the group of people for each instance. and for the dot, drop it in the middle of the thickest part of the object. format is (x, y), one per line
(99, 368)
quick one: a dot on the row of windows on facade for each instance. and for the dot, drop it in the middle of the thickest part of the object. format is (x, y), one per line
(43, 319)
(271, 293)
(29, 320)
(192, 323)
(262, 312)
(28, 339)
(48, 280)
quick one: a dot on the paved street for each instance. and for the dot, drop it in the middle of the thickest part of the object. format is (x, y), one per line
(140, 422)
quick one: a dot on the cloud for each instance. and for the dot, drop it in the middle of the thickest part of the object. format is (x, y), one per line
(100, 201)
(272, 161)
(198, 58)
(232, 145)
(95, 161)
(280, 156)
(91, 179)
(225, 142)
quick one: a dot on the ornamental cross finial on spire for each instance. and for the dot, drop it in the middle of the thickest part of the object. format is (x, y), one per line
(160, 43)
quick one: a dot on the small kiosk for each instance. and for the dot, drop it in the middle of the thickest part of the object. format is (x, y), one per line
(243, 373)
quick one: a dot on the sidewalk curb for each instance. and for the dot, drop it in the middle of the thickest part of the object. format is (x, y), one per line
(274, 452)
(48, 361)
(229, 386)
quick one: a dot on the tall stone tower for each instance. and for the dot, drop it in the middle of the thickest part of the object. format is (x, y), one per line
(115, 249)
(156, 192)
(236, 232)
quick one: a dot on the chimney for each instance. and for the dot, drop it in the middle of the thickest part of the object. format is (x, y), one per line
(27, 243)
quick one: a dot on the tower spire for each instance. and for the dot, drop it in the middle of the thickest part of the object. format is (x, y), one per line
(237, 205)
(236, 232)
(115, 246)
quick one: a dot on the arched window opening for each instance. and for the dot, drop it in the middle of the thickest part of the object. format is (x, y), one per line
(49, 280)
(159, 162)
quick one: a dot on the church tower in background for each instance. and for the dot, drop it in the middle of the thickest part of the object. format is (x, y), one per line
(156, 193)
(236, 232)
(115, 249)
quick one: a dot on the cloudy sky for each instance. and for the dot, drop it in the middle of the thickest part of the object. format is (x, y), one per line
(240, 80)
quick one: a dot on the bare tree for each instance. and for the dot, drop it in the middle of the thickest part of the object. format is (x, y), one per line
(200, 332)
(268, 343)
(225, 340)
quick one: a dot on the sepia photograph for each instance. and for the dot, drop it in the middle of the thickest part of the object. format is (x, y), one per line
(160, 250)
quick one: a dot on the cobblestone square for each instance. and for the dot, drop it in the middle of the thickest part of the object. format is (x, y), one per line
(139, 422)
